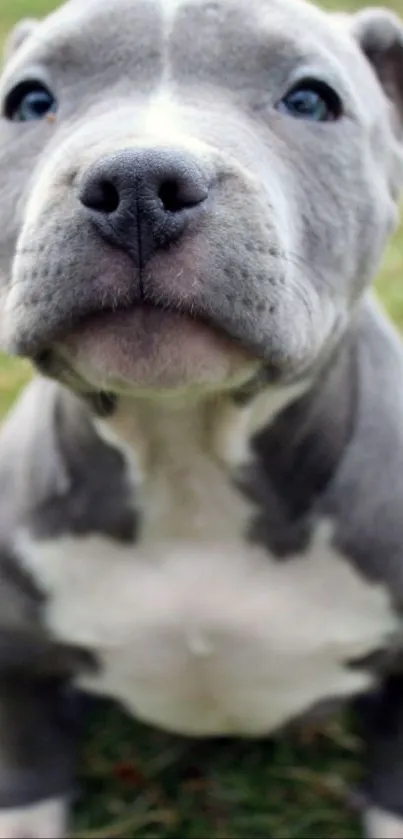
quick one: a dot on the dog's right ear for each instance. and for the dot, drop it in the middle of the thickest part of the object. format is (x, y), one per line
(18, 35)
(379, 33)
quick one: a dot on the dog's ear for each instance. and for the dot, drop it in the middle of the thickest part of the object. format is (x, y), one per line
(379, 33)
(18, 35)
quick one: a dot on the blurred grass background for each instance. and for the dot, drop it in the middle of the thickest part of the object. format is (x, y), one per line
(136, 782)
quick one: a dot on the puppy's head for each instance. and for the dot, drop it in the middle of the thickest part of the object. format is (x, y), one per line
(193, 191)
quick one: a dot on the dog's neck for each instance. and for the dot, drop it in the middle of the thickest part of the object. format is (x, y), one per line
(293, 436)
(182, 448)
(173, 433)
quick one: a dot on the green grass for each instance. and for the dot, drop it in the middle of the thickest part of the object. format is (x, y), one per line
(137, 782)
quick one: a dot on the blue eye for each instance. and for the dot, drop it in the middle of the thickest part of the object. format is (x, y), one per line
(312, 101)
(29, 101)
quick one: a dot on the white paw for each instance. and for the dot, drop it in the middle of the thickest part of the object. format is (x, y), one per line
(46, 820)
(379, 824)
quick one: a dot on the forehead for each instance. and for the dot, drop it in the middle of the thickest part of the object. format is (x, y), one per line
(187, 40)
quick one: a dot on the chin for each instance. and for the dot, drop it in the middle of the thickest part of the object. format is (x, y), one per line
(154, 350)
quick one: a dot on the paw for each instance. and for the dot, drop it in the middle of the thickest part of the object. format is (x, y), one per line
(379, 824)
(46, 820)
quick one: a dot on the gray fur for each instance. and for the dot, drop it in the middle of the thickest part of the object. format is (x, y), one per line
(126, 435)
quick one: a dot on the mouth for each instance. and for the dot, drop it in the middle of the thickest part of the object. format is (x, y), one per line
(149, 346)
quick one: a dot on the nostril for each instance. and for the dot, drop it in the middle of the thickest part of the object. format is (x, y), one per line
(176, 194)
(101, 196)
(170, 197)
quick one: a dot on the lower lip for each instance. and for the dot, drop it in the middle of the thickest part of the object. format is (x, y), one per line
(149, 347)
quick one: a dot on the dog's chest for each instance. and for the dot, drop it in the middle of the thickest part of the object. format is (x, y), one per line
(198, 630)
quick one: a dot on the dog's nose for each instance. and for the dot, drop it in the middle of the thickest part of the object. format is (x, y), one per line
(143, 200)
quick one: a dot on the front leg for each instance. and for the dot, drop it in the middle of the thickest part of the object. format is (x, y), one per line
(38, 737)
(383, 790)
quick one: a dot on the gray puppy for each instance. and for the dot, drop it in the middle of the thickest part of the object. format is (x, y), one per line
(201, 494)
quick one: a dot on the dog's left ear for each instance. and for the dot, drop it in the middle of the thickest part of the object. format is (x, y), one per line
(379, 33)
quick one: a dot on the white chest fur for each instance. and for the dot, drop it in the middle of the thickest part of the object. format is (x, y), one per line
(211, 636)
(196, 630)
